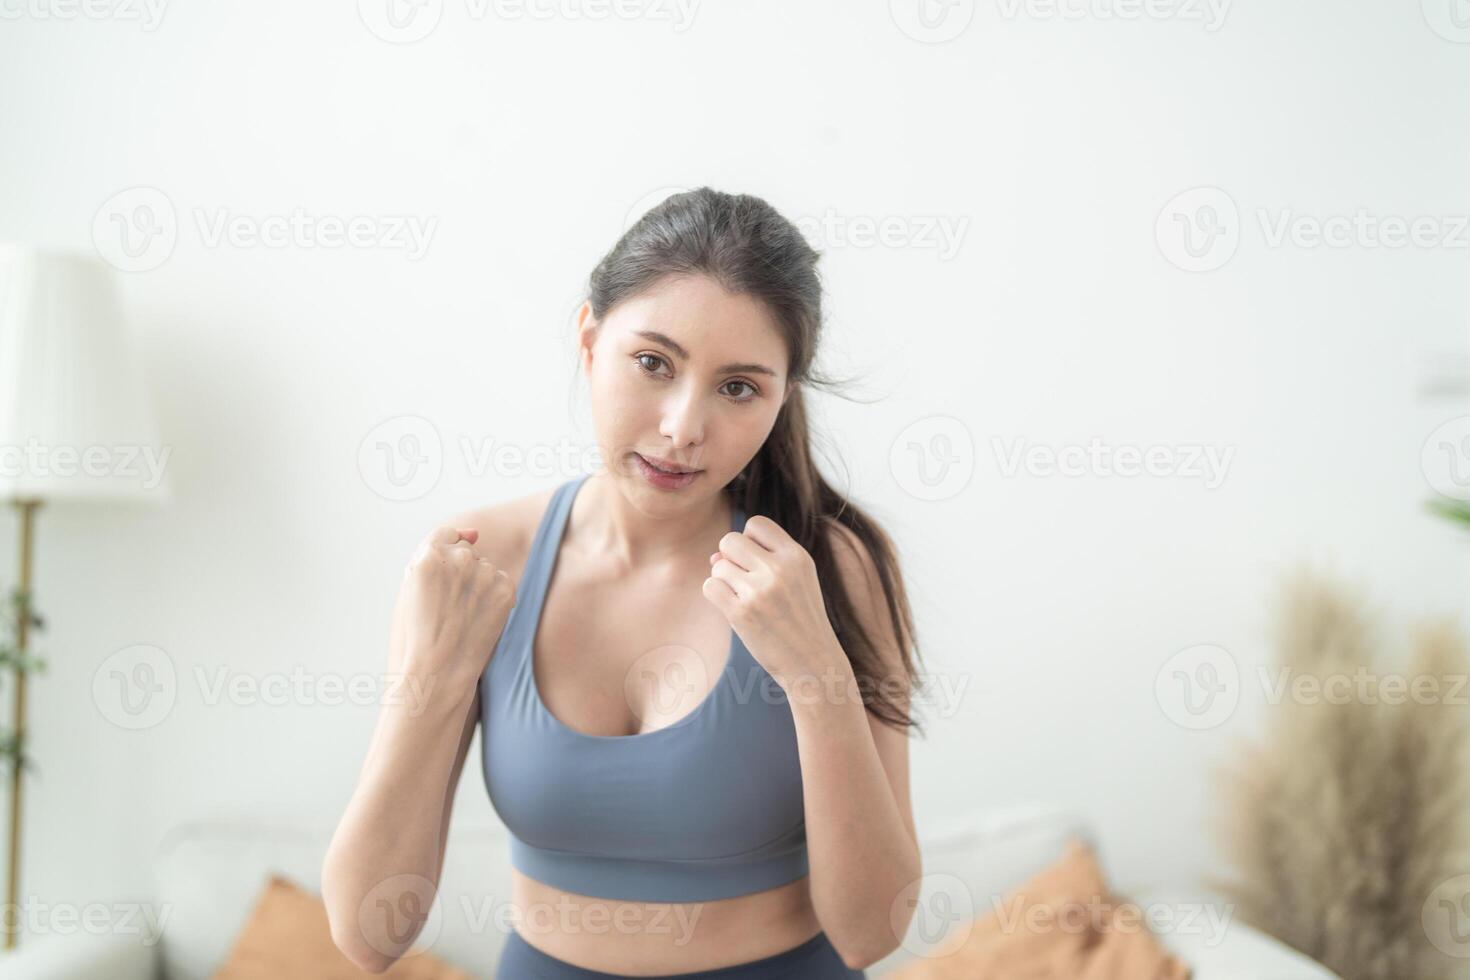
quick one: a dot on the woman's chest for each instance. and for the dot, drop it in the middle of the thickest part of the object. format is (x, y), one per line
(631, 739)
(627, 657)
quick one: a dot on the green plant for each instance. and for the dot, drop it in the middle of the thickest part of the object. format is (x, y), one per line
(18, 610)
(1448, 507)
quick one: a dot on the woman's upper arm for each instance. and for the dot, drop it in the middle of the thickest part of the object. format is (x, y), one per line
(860, 579)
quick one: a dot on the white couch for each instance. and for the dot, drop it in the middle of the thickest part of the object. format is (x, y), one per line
(208, 875)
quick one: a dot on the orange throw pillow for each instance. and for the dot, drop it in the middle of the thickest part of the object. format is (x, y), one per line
(289, 937)
(1062, 924)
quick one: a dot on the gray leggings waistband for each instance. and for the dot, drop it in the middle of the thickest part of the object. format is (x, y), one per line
(815, 959)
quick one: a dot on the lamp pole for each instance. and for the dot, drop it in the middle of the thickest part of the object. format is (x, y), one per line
(27, 510)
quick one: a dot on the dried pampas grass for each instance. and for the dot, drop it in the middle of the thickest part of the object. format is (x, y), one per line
(1346, 818)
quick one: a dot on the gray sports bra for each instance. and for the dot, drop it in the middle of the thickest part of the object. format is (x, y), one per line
(705, 808)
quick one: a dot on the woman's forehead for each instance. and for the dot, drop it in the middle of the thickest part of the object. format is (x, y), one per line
(702, 321)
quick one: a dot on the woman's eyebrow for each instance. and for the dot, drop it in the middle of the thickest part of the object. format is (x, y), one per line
(683, 355)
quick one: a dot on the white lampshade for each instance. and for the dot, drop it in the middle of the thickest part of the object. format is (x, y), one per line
(76, 422)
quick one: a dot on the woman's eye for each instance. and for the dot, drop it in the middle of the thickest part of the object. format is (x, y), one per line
(649, 363)
(747, 385)
(642, 358)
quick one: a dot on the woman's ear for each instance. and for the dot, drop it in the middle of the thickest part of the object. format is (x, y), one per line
(586, 334)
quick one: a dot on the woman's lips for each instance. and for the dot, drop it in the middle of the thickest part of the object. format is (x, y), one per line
(667, 466)
(663, 478)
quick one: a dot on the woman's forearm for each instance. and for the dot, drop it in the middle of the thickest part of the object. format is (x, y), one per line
(860, 853)
(382, 867)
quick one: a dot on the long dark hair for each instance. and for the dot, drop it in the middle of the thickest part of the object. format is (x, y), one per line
(748, 247)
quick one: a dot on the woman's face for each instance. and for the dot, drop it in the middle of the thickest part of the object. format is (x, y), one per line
(687, 374)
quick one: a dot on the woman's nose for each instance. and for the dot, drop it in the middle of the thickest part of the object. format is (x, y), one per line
(683, 420)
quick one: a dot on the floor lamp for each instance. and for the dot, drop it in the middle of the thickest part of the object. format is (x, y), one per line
(74, 417)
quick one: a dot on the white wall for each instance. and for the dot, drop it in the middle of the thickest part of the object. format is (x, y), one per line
(1060, 317)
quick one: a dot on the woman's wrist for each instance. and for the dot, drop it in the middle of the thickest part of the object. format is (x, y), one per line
(433, 681)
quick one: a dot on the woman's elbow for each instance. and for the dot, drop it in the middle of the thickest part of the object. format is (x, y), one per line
(360, 952)
(345, 924)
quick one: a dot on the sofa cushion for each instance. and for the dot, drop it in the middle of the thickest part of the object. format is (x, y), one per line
(1064, 923)
(974, 856)
(288, 937)
(209, 873)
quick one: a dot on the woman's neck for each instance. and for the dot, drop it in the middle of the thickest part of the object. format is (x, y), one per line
(606, 521)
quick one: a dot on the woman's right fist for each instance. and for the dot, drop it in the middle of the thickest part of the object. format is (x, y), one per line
(458, 602)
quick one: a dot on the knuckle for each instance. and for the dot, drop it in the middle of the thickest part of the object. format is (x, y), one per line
(505, 586)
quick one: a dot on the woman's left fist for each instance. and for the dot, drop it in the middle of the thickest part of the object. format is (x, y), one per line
(766, 585)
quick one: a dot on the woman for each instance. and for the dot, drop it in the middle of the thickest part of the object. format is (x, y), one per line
(711, 784)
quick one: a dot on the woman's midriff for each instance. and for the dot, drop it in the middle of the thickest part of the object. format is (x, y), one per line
(652, 938)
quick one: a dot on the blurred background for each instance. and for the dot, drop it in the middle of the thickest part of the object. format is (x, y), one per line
(1148, 305)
